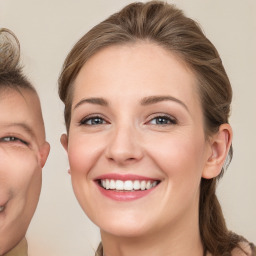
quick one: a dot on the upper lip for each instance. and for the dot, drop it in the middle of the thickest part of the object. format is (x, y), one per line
(123, 177)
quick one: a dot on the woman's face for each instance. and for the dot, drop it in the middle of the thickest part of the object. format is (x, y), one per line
(136, 144)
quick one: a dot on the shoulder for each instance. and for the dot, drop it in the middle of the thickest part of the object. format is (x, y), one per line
(246, 249)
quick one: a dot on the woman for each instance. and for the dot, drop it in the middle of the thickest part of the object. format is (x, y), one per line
(147, 102)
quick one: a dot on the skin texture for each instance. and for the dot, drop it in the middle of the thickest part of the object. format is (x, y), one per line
(23, 152)
(162, 139)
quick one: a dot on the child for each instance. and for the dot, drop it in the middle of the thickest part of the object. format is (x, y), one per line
(23, 149)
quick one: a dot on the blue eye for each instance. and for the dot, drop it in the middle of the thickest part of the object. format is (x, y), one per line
(162, 120)
(13, 139)
(93, 121)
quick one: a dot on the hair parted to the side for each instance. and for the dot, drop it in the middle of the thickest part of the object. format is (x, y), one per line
(11, 75)
(167, 26)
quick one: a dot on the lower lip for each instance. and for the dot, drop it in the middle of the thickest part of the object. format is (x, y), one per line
(124, 195)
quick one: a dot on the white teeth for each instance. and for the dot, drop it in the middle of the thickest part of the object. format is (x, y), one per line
(143, 185)
(119, 185)
(112, 184)
(148, 185)
(127, 185)
(1, 208)
(107, 184)
(136, 185)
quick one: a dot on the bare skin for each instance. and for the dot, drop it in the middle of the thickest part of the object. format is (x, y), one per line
(23, 153)
(135, 112)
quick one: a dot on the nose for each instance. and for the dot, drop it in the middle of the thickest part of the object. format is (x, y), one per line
(124, 146)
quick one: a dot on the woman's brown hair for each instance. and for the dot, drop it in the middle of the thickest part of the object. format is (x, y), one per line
(167, 26)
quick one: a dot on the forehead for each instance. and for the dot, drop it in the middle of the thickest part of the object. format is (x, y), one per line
(20, 109)
(144, 65)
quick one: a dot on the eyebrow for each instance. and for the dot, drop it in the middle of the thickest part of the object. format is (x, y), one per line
(156, 99)
(96, 101)
(144, 102)
(23, 126)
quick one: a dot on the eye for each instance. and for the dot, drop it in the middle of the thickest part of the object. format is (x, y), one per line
(13, 139)
(93, 120)
(163, 120)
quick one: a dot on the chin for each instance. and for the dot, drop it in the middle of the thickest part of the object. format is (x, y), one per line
(10, 240)
(124, 228)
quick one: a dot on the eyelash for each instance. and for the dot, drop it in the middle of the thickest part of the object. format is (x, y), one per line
(91, 118)
(168, 120)
(9, 139)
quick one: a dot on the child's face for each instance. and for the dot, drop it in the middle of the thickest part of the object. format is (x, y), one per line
(23, 152)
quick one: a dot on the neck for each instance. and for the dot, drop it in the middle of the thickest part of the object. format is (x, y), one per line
(21, 249)
(175, 240)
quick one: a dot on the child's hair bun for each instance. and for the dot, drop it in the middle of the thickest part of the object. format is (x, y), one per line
(9, 51)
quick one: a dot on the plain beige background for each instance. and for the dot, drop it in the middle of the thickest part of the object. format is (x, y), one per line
(47, 30)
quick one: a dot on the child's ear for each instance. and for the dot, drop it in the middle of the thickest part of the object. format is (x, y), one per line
(44, 152)
(220, 144)
(64, 141)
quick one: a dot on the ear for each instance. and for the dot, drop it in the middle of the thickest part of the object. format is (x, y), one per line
(219, 147)
(44, 152)
(64, 141)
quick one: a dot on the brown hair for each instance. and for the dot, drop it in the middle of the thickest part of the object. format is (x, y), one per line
(11, 75)
(167, 26)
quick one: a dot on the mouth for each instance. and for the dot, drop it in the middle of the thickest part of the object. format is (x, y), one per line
(127, 185)
(2, 207)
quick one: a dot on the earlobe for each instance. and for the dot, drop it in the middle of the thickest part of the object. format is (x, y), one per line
(64, 141)
(44, 152)
(220, 144)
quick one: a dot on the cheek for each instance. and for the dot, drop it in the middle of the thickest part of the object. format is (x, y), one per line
(20, 170)
(83, 152)
(28, 177)
(180, 157)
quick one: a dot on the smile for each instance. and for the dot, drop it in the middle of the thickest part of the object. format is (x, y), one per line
(2, 208)
(127, 185)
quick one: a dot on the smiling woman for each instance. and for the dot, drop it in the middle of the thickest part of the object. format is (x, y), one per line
(147, 102)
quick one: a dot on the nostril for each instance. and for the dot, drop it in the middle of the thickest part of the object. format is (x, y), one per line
(122, 159)
(122, 149)
(130, 159)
